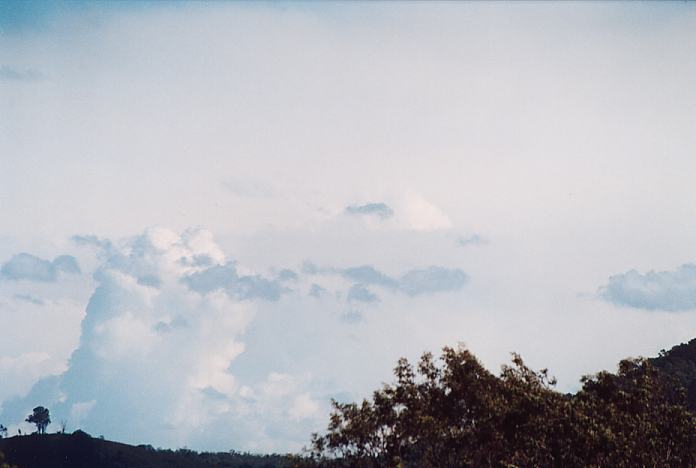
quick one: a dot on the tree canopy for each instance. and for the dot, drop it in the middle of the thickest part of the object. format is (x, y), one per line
(41, 418)
(452, 412)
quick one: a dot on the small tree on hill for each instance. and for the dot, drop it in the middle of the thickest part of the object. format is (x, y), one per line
(41, 418)
(3, 431)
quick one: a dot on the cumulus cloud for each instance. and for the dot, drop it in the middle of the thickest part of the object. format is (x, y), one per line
(8, 73)
(408, 211)
(352, 316)
(286, 275)
(380, 210)
(154, 355)
(316, 291)
(655, 290)
(19, 372)
(369, 275)
(360, 293)
(226, 278)
(181, 345)
(29, 267)
(419, 214)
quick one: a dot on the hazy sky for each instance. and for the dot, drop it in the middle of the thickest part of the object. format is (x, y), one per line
(216, 217)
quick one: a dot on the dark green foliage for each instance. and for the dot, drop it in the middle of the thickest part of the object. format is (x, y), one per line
(680, 362)
(41, 418)
(453, 413)
(80, 450)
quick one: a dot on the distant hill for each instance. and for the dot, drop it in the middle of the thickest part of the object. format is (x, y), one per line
(680, 363)
(79, 450)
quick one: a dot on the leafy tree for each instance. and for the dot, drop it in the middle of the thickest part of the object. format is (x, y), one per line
(453, 412)
(3, 431)
(680, 362)
(41, 418)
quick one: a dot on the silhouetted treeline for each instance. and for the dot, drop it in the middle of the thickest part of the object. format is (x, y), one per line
(680, 363)
(452, 412)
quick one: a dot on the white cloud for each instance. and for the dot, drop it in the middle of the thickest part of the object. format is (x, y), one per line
(415, 212)
(151, 352)
(79, 411)
(20, 372)
(303, 406)
(655, 290)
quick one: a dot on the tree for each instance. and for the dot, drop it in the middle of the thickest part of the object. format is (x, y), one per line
(3, 431)
(452, 412)
(41, 418)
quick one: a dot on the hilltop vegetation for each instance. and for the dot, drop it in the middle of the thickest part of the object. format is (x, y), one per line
(680, 363)
(79, 450)
(452, 412)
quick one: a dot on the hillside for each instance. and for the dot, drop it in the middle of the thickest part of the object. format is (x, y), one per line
(79, 450)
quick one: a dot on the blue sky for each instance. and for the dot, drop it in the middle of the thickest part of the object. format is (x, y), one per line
(218, 216)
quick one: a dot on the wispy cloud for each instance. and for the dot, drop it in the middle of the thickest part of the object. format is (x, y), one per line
(433, 279)
(91, 240)
(473, 239)
(416, 282)
(29, 75)
(247, 188)
(380, 210)
(29, 298)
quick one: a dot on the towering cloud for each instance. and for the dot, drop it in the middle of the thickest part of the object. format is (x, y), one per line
(160, 332)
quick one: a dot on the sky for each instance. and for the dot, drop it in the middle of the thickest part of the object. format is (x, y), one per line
(216, 217)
